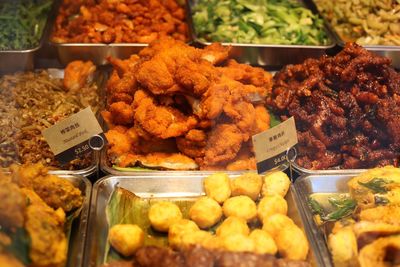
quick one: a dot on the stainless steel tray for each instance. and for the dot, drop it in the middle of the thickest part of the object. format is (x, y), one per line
(157, 185)
(392, 52)
(270, 54)
(308, 184)
(98, 52)
(19, 60)
(79, 228)
(302, 171)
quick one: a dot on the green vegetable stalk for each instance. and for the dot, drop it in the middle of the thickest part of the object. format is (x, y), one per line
(22, 23)
(283, 22)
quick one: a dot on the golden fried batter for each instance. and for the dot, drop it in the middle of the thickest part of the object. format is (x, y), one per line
(55, 191)
(12, 206)
(387, 214)
(383, 252)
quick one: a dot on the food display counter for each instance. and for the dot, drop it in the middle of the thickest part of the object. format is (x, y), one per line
(179, 90)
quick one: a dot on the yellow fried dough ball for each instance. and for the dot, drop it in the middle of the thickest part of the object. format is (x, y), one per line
(163, 214)
(126, 238)
(292, 243)
(193, 238)
(240, 206)
(271, 204)
(177, 229)
(264, 243)
(205, 212)
(212, 242)
(217, 187)
(343, 247)
(233, 225)
(238, 243)
(276, 182)
(248, 184)
(275, 223)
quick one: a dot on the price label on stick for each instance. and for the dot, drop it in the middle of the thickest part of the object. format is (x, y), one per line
(271, 146)
(75, 136)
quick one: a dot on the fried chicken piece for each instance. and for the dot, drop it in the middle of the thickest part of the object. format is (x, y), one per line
(46, 230)
(387, 214)
(77, 73)
(169, 161)
(382, 252)
(193, 143)
(262, 121)
(162, 122)
(56, 192)
(367, 232)
(244, 160)
(121, 113)
(120, 141)
(223, 144)
(215, 53)
(12, 206)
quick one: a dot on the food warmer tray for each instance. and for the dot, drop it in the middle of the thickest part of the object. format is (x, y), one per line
(392, 52)
(78, 234)
(308, 184)
(272, 55)
(160, 185)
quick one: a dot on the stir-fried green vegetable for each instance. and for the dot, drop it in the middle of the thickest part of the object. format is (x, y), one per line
(22, 23)
(258, 22)
(342, 208)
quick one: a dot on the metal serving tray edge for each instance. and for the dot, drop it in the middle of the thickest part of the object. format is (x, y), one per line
(160, 185)
(308, 184)
(76, 246)
(269, 54)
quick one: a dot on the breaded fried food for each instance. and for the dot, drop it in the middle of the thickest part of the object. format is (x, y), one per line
(12, 206)
(55, 191)
(77, 73)
(387, 214)
(45, 227)
(343, 247)
(382, 252)
(8, 260)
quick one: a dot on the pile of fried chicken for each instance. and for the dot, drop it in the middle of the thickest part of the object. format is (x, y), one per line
(33, 207)
(346, 107)
(121, 21)
(174, 106)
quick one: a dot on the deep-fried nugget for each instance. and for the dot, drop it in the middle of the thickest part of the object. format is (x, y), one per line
(76, 74)
(387, 214)
(381, 253)
(12, 206)
(215, 53)
(121, 113)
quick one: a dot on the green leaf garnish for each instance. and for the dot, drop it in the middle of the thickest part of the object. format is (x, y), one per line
(344, 207)
(376, 185)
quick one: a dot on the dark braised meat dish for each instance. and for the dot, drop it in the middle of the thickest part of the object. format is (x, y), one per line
(346, 107)
(197, 256)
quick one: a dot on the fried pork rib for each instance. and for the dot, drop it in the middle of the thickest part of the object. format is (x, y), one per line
(197, 256)
(346, 107)
(173, 98)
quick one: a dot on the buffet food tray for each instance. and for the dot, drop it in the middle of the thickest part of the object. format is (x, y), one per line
(303, 171)
(79, 226)
(18, 60)
(99, 52)
(269, 54)
(392, 52)
(161, 185)
(317, 183)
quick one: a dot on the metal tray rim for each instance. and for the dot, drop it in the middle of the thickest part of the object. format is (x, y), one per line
(303, 171)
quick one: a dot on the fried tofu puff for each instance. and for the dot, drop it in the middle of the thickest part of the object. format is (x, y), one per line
(264, 243)
(292, 243)
(276, 182)
(382, 252)
(163, 214)
(238, 243)
(248, 184)
(217, 187)
(240, 206)
(275, 223)
(205, 212)
(177, 230)
(271, 204)
(126, 238)
(233, 225)
(193, 238)
(343, 247)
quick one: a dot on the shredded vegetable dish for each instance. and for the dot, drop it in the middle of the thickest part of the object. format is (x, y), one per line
(31, 102)
(368, 22)
(258, 22)
(22, 23)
